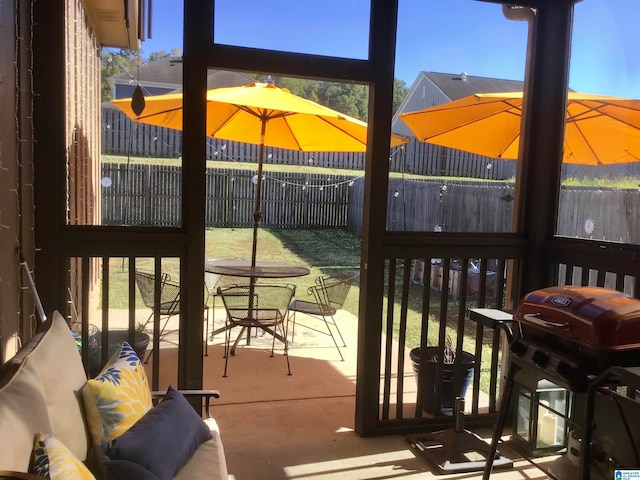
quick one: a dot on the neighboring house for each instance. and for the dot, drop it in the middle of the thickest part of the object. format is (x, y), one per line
(431, 88)
(165, 76)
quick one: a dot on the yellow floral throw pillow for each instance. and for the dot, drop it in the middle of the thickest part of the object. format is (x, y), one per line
(118, 397)
(53, 461)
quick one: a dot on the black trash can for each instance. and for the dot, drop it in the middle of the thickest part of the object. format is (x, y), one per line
(449, 393)
(116, 338)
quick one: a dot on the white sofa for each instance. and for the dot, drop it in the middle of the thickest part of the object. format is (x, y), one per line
(40, 391)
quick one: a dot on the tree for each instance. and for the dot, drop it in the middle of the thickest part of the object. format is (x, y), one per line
(115, 63)
(400, 91)
(349, 98)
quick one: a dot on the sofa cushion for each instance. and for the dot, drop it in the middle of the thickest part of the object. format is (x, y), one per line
(208, 463)
(53, 461)
(23, 413)
(118, 397)
(53, 357)
(126, 470)
(173, 428)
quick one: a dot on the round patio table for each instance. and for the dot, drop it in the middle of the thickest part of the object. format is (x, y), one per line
(234, 267)
(242, 268)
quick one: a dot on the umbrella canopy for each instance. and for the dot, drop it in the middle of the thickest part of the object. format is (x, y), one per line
(265, 115)
(237, 114)
(600, 130)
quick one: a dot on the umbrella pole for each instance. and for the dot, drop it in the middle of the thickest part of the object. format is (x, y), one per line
(257, 214)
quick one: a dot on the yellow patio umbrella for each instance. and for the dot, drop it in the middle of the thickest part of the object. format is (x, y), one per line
(600, 130)
(265, 115)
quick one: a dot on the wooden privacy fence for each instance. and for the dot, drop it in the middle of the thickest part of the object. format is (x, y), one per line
(413, 205)
(151, 195)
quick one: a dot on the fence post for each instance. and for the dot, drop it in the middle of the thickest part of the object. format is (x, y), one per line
(147, 194)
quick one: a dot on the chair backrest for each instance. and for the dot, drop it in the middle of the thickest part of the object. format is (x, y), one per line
(169, 292)
(258, 303)
(332, 290)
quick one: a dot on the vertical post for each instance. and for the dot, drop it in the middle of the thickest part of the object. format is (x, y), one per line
(542, 138)
(382, 46)
(199, 16)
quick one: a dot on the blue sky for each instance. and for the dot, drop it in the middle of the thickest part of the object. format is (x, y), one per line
(450, 36)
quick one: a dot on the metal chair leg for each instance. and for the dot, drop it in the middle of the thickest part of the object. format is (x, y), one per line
(286, 347)
(206, 333)
(335, 324)
(326, 322)
(227, 342)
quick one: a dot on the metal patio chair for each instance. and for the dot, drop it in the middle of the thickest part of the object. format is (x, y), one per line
(211, 283)
(260, 306)
(329, 294)
(169, 303)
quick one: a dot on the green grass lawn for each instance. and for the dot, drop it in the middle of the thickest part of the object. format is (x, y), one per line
(323, 251)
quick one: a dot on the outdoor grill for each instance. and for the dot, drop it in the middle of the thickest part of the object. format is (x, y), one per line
(572, 334)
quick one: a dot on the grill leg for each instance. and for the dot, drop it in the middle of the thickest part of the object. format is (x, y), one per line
(502, 415)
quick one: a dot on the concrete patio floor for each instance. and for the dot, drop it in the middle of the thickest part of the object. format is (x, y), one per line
(276, 426)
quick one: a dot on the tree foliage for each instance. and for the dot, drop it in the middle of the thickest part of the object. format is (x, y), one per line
(349, 98)
(114, 63)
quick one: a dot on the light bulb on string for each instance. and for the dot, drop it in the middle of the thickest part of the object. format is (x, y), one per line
(396, 194)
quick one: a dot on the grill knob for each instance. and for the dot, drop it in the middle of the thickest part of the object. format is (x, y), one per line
(540, 359)
(518, 348)
(567, 371)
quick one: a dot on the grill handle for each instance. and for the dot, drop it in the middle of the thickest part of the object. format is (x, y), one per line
(537, 319)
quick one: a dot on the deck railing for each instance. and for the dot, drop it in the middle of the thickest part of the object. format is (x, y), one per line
(431, 282)
(430, 288)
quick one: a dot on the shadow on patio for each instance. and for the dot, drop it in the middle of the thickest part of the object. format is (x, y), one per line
(276, 426)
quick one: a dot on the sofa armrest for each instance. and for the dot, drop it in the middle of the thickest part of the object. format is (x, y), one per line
(10, 475)
(207, 394)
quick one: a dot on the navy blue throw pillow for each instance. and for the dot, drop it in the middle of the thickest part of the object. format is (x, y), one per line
(126, 470)
(164, 439)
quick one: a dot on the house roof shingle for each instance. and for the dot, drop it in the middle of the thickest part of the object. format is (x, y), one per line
(456, 86)
(168, 71)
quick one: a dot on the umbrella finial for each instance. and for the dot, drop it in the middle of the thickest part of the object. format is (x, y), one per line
(137, 101)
